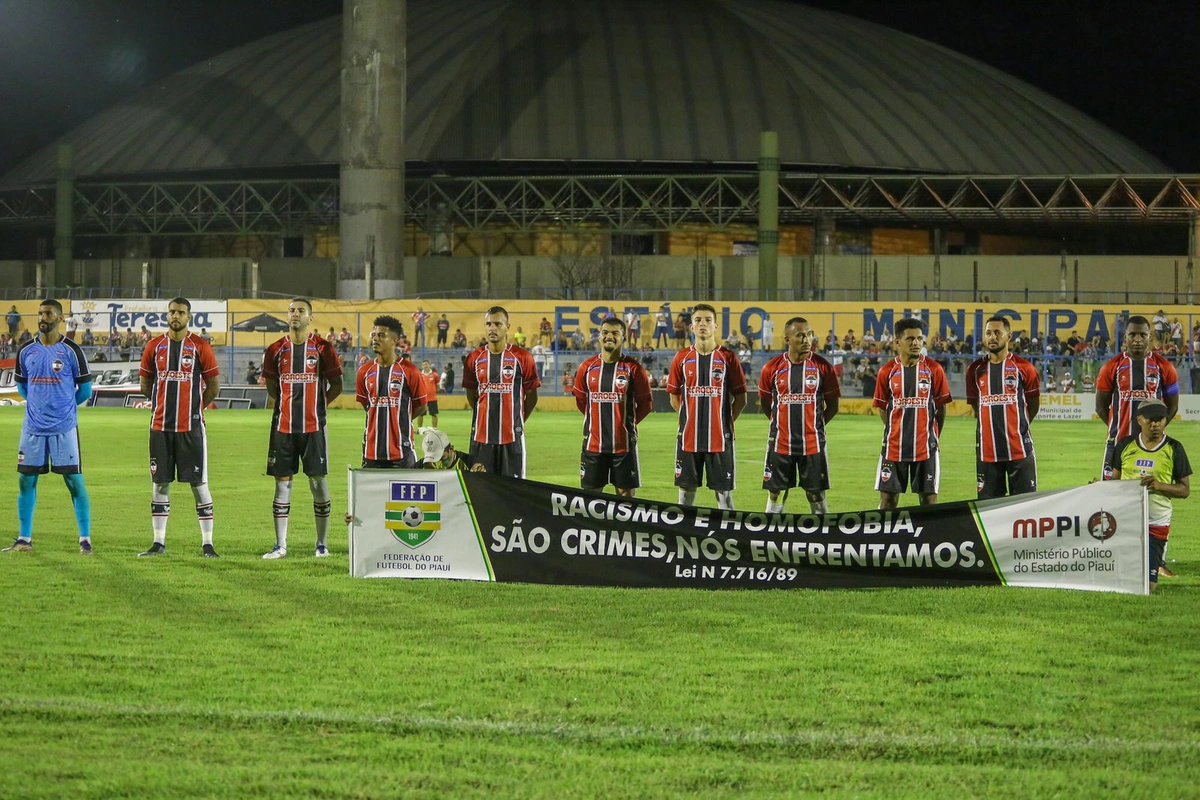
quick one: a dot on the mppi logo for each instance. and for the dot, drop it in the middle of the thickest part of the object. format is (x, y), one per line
(413, 514)
(1100, 525)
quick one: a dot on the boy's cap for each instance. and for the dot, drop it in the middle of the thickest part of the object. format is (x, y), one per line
(1152, 409)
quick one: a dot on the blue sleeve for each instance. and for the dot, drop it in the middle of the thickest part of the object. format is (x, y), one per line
(83, 391)
(23, 390)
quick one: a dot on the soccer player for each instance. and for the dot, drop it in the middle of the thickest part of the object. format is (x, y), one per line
(430, 379)
(303, 375)
(175, 365)
(1129, 379)
(613, 392)
(799, 392)
(392, 392)
(1161, 464)
(1003, 389)
(911, 393)
(501, 383)
(52, 375)
(708, 389)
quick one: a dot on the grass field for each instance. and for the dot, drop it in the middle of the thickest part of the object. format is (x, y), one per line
(179, 676)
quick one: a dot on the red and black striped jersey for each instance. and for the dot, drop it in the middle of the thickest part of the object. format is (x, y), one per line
(909, 397)
(389, 393)
(303, 370)
(614, 398)
(500, 381)
(177, 371)
(706, 385)
(1000, 394)
(796, 393)
(1132, 380)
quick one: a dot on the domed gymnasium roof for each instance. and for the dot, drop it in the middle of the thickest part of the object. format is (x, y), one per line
(669, 83)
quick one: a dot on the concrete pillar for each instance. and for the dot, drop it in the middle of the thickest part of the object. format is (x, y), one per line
(768, 216)
(1062, 278)
(937, 265)
(1193, 231)
(64, 218)
(371, 218)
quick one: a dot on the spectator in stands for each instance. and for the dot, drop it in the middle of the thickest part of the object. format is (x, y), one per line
(767, 334)
(849, 340)
(1177, 333)
(114, 342)
(143, 337)
(88, 338)
(24, 337)
(830, 341)
(13, 318)
(1068, 382)
(1053, 346)
(460, 338)
(1161, 326)
(867, 377)
(647, 354)
(1071, 347)
(545, 332)
(519, 337)
(5, 345)
(568, 378)
(886, 340)
(344, 340)
(206, 336)
(419, 316)
(252, 373)
(680, 331)
(662, 326)
(73, 326)
(540, 355)
(443, 330)
(448, 378)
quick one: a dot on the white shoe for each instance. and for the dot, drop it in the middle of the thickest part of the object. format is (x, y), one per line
(322, 552)
(276, 552)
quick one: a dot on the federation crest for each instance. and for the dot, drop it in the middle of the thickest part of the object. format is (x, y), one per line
(1102, 525)
(413, 514)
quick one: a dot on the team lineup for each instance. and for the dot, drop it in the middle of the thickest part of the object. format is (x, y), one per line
(798, 391)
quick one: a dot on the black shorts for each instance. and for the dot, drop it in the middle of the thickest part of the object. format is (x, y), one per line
(718, 468)
(780, 472)
(500, 459)
(441, 337)
(1005, 478)
(179, 456)
(431, 408)
(597, 470)
(895, 477)
(1158, 556)
(409, 462)
(1106, 472)
(287, 450)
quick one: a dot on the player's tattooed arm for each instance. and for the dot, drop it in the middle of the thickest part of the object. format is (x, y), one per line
(333, 389)
(1104, 403)
(739, 402)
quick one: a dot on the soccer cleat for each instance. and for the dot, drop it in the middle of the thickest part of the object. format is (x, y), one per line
(1167, 572)
(322, 551)
(277, 551)
(85, 547)
(18, 546)
(156, 549)
(209, 552)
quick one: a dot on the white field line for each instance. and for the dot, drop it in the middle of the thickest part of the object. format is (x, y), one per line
(602, 733)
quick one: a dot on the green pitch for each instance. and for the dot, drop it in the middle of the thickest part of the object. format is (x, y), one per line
(178, 676)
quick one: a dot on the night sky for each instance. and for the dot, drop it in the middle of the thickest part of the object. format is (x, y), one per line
(1130, 65)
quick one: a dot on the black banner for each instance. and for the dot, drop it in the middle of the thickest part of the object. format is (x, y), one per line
(571, 536)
